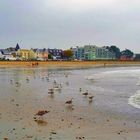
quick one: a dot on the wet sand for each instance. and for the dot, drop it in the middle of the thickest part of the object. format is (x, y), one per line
(65, 123)
(20, 103)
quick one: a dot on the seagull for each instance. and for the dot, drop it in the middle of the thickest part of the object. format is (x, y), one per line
(90, 98)
(51, 91)
(11, 81)
(85, 93)
(42, 112)
(17, 84)
(27, 79)
(69, 101)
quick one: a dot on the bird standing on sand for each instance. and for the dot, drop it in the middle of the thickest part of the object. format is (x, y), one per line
(69, 101)
(17, 84)
(51, 91)
(42, 112)
(54, 82)
(90, 98)
(27, 79)
(11, 81)
(85, 93)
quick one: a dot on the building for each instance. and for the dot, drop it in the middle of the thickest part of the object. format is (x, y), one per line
(56, 53)
(124, 58)
(10, 53)
(32, 55)
(41, 54)
(74, 51)
(23, 54)
(1, 54)
(92, 52)
(136, 56)
(78, 53)
(127, 55)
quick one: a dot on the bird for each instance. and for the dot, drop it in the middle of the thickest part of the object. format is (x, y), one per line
(42, 78)
(27, 79)
(69, 101)
(54, 82)
(51, 91)
(17, 84)
(80, 89)
(47, 78)
(90, 98)
(42, 112)
(11, 81)
(57, 87)
(66, 75)
(85, 93)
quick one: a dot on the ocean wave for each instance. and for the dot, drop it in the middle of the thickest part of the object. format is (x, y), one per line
(116, 73)
(134, 100)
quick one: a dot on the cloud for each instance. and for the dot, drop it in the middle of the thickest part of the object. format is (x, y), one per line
(64, 23)
(78, 5)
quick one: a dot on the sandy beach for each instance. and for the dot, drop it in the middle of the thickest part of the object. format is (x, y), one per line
(69, 63)
(84, 120)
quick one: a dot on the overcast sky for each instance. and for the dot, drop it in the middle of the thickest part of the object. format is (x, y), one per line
(66, 23)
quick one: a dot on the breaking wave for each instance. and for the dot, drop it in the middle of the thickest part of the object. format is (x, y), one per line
(134, 100)
(116, 73)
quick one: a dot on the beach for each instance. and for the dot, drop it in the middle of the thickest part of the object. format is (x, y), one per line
(69, 63)
(108, 116)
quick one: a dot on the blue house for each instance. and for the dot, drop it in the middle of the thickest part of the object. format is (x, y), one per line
(78, 53)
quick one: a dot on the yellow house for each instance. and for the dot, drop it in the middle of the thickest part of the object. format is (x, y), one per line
(25, 54)
(32, 55)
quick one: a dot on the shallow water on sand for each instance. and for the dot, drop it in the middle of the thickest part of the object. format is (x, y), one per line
(24, 91)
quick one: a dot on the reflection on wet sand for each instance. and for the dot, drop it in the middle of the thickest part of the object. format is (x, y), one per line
(41, 103)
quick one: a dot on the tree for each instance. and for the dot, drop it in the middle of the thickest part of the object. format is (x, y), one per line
(50, 56)
(128, 53)
(116, 50)
(68, 54)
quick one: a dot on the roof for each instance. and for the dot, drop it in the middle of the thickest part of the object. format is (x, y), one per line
(40, 50)
(5, 51)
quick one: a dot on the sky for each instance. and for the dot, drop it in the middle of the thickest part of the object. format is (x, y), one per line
(68, 23)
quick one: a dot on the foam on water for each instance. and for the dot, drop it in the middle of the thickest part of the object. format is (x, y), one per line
(135, 100)
(120, 75)
(114, 73)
